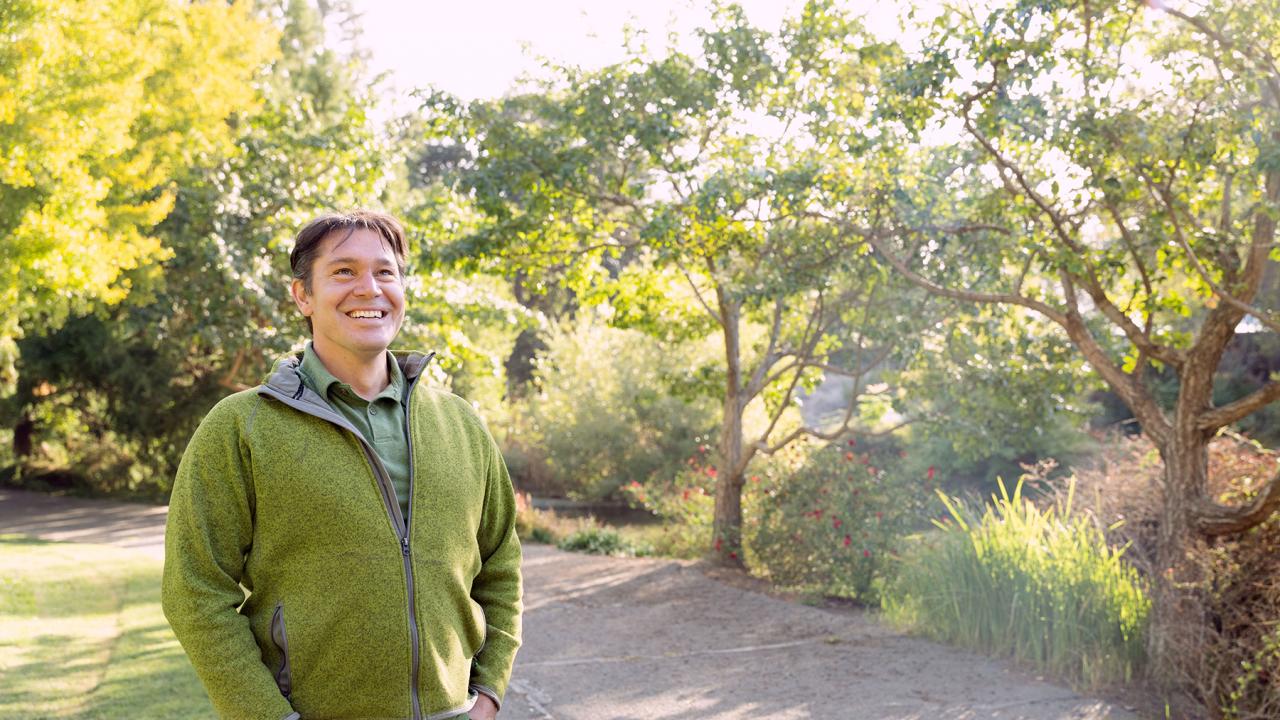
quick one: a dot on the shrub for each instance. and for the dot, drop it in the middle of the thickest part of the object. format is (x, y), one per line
(597, 540)
(602, 417)
(1041, 585)
(831, 526)
(686, 505)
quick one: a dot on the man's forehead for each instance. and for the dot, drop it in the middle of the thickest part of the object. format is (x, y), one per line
(332, 245)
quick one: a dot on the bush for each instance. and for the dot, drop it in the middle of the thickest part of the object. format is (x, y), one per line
(1043, 586)
(832, 525)
(597, 540)
(601, 417)
(686, 505)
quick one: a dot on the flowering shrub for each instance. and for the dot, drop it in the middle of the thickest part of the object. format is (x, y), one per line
(686, 504)
(831, 525)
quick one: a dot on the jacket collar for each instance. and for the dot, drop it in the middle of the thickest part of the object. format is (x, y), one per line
(284, 377)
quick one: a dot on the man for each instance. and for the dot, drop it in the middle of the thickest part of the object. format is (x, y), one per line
(370, 519)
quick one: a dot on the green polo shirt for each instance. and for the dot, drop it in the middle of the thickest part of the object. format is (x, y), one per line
(381, 421)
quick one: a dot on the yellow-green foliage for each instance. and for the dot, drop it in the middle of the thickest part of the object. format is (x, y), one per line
(102, 106)
(1042, 586)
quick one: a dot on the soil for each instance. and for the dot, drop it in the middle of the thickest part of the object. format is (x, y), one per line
(632, 639)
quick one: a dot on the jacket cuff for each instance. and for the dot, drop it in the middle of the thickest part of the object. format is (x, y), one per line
(489, 692)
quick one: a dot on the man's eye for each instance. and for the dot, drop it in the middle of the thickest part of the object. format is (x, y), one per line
(342, 271)
(390, 273)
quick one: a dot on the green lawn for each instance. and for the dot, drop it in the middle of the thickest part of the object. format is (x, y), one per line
(82, 636)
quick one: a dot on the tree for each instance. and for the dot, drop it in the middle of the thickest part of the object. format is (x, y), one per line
(211, 316)
(1117, 171)
(676, 192)
(101, 106)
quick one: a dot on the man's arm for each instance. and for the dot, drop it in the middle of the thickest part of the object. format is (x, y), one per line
(497, 588)
(210, 527)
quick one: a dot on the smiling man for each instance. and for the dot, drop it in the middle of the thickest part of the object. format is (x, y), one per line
(369, 518)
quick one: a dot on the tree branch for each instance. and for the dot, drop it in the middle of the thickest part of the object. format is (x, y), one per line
(698, 294)
(1210, 421)
(1051, 313)
(1214, 519)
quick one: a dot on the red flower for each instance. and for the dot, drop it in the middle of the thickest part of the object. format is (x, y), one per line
(817, 514)
(848, 541)
(711, 472)
(717, 545)
(931, 472)
(733, 556)
(853, 443)
(866, 553)
(685, 495)
(635, 483)
(836, 522)
(755, 478)
(879, 515)
(848, 456)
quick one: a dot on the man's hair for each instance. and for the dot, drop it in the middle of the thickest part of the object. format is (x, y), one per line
(307, 245)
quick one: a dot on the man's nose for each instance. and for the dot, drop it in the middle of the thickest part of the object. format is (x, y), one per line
(367, 284)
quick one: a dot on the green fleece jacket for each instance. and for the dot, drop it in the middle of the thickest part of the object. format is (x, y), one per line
(350, 614)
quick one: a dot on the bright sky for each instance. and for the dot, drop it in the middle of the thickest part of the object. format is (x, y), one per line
(477, 48)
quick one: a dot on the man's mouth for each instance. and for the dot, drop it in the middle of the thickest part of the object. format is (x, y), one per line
(366, 314)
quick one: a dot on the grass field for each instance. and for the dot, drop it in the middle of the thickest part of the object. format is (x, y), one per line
(82, 636)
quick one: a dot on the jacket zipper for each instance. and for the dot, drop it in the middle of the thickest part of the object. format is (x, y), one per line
(399, 524)
(408, 564)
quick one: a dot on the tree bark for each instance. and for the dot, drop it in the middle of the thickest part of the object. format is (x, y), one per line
(1185, 478)
(726, 548)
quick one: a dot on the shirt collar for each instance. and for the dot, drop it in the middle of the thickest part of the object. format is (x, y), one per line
(323, 381)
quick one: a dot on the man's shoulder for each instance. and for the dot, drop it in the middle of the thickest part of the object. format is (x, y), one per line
(447, 405)
(234, 410)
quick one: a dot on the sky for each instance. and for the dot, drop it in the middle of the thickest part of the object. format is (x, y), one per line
(478, 48)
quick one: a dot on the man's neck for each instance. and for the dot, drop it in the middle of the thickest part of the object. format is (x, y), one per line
(367, 376)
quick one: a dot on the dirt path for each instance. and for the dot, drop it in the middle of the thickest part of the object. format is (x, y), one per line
(610, 638)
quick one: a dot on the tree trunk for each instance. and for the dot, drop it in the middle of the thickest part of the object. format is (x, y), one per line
(1186, 469)
(22, 434)
(726, 543)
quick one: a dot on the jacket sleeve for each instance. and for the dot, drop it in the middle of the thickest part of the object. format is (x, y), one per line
(497, 587)
(209, 531)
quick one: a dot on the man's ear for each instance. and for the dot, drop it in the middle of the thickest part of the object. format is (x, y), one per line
(298, 290)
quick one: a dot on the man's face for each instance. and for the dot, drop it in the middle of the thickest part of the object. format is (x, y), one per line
(356, 302)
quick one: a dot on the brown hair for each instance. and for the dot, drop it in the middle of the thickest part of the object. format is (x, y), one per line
(307, 245)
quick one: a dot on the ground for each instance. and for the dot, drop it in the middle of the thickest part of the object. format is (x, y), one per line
(628, 639)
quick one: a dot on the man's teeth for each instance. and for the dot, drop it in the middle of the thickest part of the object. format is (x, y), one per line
(365, 313)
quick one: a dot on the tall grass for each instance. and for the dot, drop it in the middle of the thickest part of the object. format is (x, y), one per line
(1042, 586)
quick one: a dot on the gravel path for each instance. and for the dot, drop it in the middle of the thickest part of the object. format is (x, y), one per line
(632, 639)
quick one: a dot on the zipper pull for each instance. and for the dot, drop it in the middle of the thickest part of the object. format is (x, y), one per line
(404, 545)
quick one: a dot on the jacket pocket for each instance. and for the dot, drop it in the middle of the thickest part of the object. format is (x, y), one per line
(284, 673)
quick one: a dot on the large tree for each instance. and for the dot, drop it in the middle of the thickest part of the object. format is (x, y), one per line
(210, 317)
(677, 191)
(101, 105)
(1115, 169)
